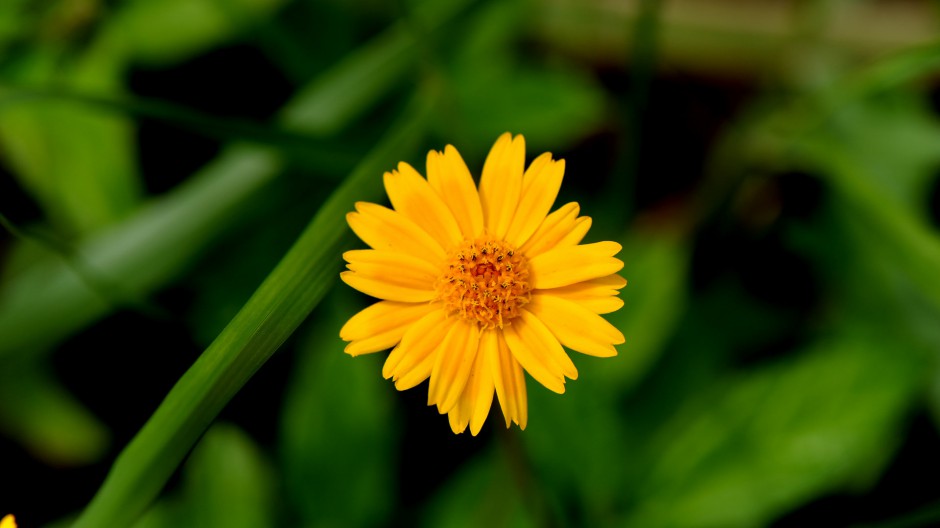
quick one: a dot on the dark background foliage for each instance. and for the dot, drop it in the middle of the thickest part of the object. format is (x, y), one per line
(771, 169)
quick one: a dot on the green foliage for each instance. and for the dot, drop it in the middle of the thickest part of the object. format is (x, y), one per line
(733, 402)
(47, 419)
(139, 30)
(54, 148)
(753, 446)
(495, 90)
(59, 294)
(314, 454)
(279, 305)
(585, 424)
(227, 481)
(485, 492)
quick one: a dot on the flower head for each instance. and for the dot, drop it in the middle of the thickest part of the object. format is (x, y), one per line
(477, 286)
(8, 522)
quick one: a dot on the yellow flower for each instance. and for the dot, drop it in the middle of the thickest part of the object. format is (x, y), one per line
(476, 286)
(8, 522)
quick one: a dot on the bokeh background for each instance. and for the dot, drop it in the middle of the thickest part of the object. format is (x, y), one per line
(772, 169)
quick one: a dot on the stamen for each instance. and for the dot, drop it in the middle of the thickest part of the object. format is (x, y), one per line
(489, 287)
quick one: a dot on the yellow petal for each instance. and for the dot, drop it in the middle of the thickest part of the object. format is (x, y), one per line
(402, 288)
(474, 404)
(381, 326)
(479, 392)
(598, 305)
(553, 229)
(597, 295)
(576, 327)
(453, 363)
(410, 362)
(508, 378)
(381, 264)
(571, 264)
(8, 522)
(384, 229)
(539, 189)
(459, 416)
(476, 399)
(539, 352)
(490, 349)
(449, 176)
(574, 237)
(413, 197)
(501, 183)
(612, 282)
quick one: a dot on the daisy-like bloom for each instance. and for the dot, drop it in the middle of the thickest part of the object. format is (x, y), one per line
(478, 285)
(8, 522)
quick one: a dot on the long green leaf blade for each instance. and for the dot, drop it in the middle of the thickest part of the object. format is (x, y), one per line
(279, 305)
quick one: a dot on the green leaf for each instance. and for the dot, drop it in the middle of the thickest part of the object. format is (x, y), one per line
(881, 173)
(755, 445)
(55, 149)
(165, 513)
(338, 426)
(576, 442)
(655, 265)
(279, 305)
(15, 22)
(551, 106)
(495, 91)
(62, 293)
(38, 413)
(300, 146)
(484, 492)
(343, 93)
(585, 423)
(228, 482)
(894, 144)
(140, 28)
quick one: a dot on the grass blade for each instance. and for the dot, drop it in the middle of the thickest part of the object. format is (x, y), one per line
(279, 305)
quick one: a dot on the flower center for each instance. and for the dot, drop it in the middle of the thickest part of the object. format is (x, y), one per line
(486, 281)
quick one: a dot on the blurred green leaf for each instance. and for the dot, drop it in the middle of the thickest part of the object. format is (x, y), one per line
(78, 163)
(585, 423)
(551, 106)
(121, 265)
(576, 443)
(55, 296)
(494, 90)
(338, 427)
(880, 157)
(15, 22)
(48, 421)
(894, 143)
(140, 28)
(228, 482)
(755, 445)
(224, 279)
(366, 74)
(890, 73)
(165, 513)
(328, 158)
(655, 265)
(483, 493)
(279, 305)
